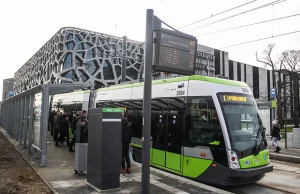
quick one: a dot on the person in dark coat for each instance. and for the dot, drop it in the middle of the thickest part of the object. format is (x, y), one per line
(126, 139)
(84, 129)
(275, 135)
(63, 130)
(51, 121)
(75, 120)
(56, 124)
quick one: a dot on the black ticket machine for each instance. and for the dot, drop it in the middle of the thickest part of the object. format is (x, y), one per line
(104, 147)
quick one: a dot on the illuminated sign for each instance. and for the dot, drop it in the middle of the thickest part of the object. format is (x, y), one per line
(234, 98)
(175, 52)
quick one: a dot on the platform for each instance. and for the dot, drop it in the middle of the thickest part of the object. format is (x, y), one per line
(58, 173)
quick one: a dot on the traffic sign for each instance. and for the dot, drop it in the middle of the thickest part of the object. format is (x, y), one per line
(11, 93)
(273, 93)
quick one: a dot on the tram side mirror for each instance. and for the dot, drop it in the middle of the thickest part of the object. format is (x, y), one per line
(181, 85)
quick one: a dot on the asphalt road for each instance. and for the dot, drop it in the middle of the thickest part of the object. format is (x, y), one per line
(285, 178)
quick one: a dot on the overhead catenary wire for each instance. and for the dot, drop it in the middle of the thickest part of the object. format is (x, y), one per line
(257, 40)
(213, 15)
(247, 25)
(241, 13)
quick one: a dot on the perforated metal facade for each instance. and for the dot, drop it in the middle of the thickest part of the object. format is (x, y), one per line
(77, 55)
(8, 85)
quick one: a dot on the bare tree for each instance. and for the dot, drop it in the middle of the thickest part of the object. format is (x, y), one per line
(291, 62)
(276, 67)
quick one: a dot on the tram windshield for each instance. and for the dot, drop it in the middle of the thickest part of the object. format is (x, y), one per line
(243, 122)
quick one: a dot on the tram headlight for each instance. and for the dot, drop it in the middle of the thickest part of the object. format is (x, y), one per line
(233, 159)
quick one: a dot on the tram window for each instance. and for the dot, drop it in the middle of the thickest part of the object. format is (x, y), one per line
(202, 123)
(135, 116)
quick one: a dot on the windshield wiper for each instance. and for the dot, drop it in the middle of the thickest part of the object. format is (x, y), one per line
(261, 130)
(256, 148)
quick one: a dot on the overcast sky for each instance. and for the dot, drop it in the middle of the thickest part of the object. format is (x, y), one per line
(27, 25)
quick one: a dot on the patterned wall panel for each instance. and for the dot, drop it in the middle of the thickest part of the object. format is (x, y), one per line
(77, 55)
(8, 85)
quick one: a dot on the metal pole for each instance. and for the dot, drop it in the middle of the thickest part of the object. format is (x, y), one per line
(147, 102)
(14, 118)
(124, 48)
(44, 130)
(30, 125)
(25, 121)
(18, 119)
(285, 132)
(21, 122)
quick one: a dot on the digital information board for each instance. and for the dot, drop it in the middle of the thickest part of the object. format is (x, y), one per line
(175, 52)
(236, 98)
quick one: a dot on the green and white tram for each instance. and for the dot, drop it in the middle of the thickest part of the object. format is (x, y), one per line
(203, 128)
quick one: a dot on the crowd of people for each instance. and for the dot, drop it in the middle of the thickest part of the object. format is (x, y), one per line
(63, 124)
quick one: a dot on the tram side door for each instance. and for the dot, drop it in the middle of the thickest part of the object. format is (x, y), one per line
(174, 134)
(158, 132)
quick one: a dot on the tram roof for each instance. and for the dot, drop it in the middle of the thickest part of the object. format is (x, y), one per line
(180, 79)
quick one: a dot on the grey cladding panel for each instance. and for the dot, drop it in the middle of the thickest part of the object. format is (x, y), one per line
(94, 139)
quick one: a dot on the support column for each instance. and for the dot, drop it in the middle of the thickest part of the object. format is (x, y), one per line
(25, 121)
(45, 114)
(21, 121)
(9, 118)
(30, 125)
(14, 119)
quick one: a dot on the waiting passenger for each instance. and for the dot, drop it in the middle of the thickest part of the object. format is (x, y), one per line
(56, 124)
(76, 118)
(63, 130)
(51, 121)
(126, 139)
(84, 128)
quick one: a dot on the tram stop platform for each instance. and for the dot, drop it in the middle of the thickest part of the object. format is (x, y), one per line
(58, 175)
(291, 155)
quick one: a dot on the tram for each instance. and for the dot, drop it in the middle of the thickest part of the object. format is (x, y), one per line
(203, 128)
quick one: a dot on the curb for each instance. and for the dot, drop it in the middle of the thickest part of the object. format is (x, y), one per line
(33, 167)
(285, 158)
(197, 184)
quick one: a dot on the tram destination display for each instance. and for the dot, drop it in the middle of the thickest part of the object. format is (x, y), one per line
(175, 52)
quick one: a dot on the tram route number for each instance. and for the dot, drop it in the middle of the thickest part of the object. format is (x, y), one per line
(180, 92)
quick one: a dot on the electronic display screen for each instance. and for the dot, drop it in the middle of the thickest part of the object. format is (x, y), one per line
(236, 98)
(176, 53)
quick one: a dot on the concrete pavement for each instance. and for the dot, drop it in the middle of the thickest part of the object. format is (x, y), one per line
(288, 155)
(59, 168)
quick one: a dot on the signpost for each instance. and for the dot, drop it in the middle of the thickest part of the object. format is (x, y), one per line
(174, 52)
(147, 102)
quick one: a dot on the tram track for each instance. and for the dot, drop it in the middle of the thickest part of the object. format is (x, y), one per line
(283, 180)
(255, 188)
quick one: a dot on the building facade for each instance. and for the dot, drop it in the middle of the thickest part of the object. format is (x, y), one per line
(77, 55)
(8, 85)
